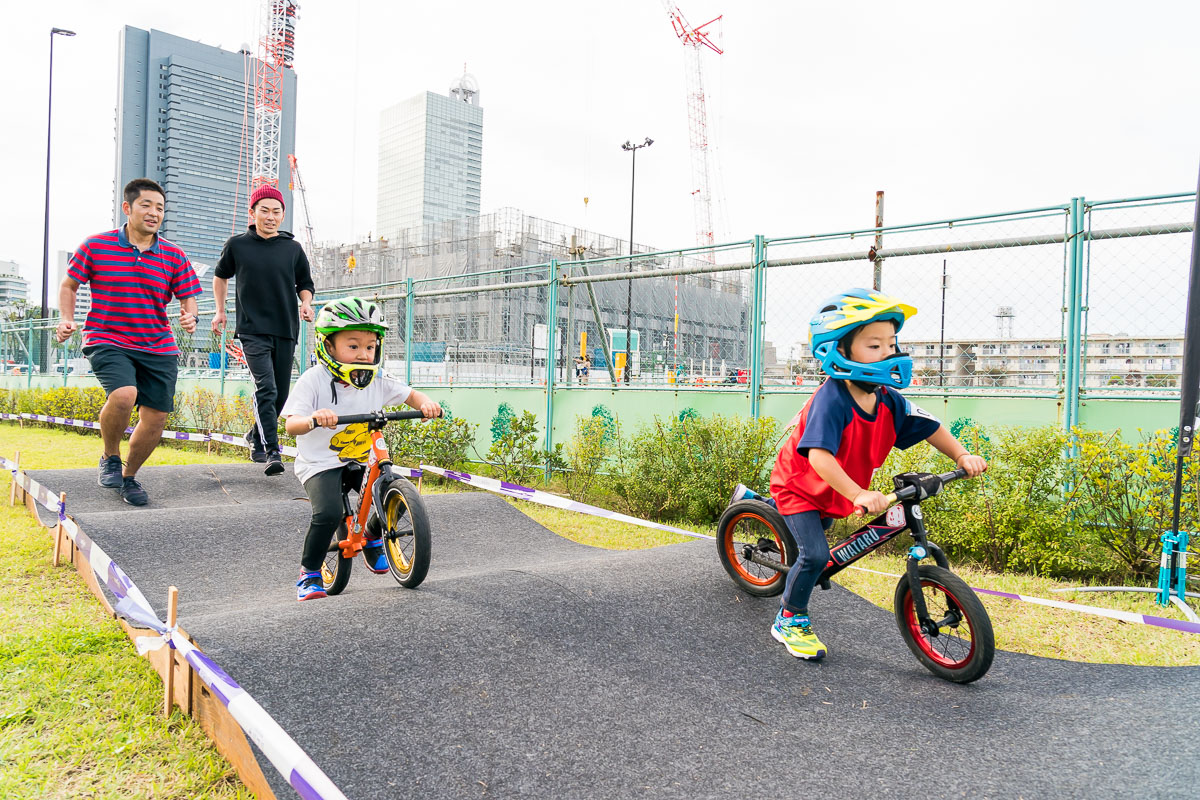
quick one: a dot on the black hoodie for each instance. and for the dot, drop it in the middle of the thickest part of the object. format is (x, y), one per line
(270, 273)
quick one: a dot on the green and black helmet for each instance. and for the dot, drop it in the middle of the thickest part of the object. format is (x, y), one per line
(350, 314)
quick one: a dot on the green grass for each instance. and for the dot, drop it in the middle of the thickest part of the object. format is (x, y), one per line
(80, 712)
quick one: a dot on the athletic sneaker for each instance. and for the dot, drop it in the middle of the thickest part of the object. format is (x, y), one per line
(258, 452)
(797, 636)
(743, 492)
(110, 472)
(374, 557)
(133, 493)
(309, 587)
(274, 463)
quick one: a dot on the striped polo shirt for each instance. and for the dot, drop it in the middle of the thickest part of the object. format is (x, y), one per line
(131, 289)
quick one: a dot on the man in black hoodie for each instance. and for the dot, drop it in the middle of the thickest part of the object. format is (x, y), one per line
(271, 271)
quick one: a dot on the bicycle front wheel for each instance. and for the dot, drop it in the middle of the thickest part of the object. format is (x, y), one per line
(749, 533)
(958, 645)
(407, 541)
(335, 572)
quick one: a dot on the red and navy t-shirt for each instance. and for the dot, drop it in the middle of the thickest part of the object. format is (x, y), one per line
(131, 289)
(860, 442)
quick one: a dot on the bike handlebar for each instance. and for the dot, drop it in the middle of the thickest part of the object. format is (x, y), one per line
(378, 416)
(910, 491)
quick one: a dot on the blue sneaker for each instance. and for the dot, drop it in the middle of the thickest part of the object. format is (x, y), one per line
(797, 636)
(374, 556)
(110, 472)
(133, 493)
(309, 587)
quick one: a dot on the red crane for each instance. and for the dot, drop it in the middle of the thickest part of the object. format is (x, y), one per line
(276, 51)
(693, 39)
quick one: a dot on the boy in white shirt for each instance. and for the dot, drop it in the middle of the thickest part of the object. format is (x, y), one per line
(346, 380)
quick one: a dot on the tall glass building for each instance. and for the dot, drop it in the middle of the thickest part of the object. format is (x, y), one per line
(185, 118)
(430, 159)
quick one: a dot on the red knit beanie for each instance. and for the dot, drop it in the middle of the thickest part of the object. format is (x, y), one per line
(264, 192)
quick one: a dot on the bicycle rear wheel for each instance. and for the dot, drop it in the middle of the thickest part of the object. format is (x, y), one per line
(335, 572)
(751, 528)
(407, 541)
(962, 647)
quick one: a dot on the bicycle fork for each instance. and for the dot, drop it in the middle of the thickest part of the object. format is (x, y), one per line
(921, 549)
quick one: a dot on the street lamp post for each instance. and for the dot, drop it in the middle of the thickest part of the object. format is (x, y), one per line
(632, 148)
(46, 223)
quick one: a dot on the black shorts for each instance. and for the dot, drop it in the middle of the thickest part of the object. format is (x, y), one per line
(153, 375)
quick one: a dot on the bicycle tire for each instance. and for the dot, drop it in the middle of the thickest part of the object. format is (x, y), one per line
(407, 539)
(950, 654)
(753, 522)
(335, 572)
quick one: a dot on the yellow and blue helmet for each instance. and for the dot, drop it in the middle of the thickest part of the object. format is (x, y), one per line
(846, 312)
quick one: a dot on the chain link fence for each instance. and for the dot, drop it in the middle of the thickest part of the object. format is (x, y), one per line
(1006, 302)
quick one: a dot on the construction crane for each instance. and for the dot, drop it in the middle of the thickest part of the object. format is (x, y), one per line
(693, 39)
(296, 184)
(276, 52)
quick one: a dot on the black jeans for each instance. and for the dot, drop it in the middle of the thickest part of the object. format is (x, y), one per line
(325, 494)
(270, 361)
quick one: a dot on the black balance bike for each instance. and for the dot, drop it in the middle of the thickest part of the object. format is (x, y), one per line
(942, 621)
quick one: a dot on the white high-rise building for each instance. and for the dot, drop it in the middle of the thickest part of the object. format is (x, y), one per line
(13, 286)
(430, 158)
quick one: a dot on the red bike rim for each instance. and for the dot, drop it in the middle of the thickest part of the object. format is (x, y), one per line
(925, 642)
(733, 551)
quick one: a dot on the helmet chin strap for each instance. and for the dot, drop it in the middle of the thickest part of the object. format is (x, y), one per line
(867, 387)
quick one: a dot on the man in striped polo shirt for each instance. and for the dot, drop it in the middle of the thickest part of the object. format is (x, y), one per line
(133, 273)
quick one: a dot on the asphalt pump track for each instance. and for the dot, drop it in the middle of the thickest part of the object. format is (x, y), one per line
(527, 665)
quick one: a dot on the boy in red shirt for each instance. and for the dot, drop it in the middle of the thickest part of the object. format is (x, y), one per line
(841, 436)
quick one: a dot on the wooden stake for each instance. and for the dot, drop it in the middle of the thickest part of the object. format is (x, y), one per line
(169, 677)
(12, 494)
(58, 529)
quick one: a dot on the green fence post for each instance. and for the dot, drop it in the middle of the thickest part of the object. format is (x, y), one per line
(29, 352)
(221, 356)
(408, 329)
(551, 340)
(1074, 316)
(756, 325)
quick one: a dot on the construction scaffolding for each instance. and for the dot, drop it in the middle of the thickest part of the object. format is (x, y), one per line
(499, 335)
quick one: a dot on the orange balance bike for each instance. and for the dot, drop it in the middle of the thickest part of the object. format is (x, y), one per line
(387, 505)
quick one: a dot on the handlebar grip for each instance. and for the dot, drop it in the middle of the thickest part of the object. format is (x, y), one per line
(891, 498)
(351, 419)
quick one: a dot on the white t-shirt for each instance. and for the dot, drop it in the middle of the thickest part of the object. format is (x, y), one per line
(324, 449)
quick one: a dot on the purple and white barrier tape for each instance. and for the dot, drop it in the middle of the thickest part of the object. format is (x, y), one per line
(547, 499)
(181, 436)
(1123, 616)
(281, 750)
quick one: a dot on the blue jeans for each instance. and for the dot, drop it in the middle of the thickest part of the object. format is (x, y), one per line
(808, 530)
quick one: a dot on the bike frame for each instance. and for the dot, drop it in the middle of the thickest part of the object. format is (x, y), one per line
(905, 516)
(379, 464)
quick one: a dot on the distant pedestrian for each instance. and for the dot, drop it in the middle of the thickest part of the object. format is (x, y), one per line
(133, 274)
(271, 271)
(584, 369)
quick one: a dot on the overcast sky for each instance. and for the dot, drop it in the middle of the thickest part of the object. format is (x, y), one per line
(952, 108)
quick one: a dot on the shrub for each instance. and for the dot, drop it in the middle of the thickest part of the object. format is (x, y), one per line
(1122, 495)
(442, 442)
(686, 469)
(516, 455)
(589, 449)
(1013, 517)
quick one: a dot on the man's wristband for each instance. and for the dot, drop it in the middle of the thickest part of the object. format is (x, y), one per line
(312, 425)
